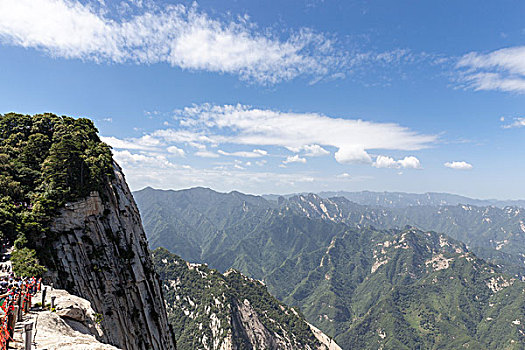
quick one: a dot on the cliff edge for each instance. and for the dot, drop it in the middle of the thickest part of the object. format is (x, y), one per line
(102, 255)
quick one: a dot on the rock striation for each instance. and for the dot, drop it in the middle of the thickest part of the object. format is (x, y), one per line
(101, 255)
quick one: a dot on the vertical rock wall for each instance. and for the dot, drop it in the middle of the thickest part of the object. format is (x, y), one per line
(102, 255)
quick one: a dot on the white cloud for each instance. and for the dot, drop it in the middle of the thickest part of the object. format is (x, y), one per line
(176, 151)
(409, 162)
(344, 176)
(128, 159)
(256, 153)
(352, 154)
(310, 150)
(194, 139)
(178, 35)
(244, 125)
(294, 159)
(502, 70)
(206, 154)
(518, 122)
(125, 144)
(385, 162)
(458, 165)
(140, 174)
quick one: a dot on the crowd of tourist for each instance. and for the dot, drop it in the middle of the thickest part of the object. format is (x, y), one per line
(15, 294)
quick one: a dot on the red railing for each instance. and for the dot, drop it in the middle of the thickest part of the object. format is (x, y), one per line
(19, 296)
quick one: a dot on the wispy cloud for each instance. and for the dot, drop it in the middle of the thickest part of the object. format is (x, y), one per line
(458, 165)
(206, 154)
(294, 159)
(310, 150)
(130, 159)
(256, 153)
(308, 132)
(182, 36)
(134, 143)
(149, 170)
(502, 70)
(210, 129)
(518, 122)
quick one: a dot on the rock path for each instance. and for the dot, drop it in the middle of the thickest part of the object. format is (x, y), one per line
(69, 327)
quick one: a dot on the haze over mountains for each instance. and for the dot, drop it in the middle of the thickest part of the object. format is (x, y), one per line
(285, 98)
(403, 199)
(368, 276)
(495, 234)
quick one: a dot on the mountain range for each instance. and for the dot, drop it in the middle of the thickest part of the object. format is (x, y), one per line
(403, 199)
(210, 310)
(369, 277)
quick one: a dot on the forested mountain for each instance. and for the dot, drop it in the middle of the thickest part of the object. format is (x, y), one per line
(189, 222)
(196, 222)
(495, 234)
(210, 310)
(405, 290)
(367, 287)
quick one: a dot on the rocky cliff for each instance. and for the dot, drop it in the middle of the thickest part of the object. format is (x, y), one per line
(214, 311)
(102, 255)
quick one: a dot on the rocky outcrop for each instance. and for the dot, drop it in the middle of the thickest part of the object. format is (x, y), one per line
(72, 325)
(214, 311)
(54, 333)
(327, 343)
(102, 255)
(247, 325)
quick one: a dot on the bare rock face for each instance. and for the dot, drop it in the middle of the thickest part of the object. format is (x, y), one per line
(73, 324)
(54, 333)
(327, 343)
(71, 310)
(102, 255)
(246, 324)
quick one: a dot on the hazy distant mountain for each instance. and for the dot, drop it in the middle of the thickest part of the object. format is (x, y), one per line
(197, 223)
(402, 199)
(367, 287)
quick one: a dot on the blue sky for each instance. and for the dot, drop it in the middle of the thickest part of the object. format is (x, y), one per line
(283, 96)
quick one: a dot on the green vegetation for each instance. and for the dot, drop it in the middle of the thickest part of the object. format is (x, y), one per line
(45, 161)
(204, 306)
(368, 288)
(25, 263)
(494, 234)
(98, 318)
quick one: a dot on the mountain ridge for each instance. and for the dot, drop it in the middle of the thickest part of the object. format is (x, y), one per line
(336, 272)
(209, 310)
(496, 234)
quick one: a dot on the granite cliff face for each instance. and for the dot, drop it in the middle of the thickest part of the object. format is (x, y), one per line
(102, 255)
